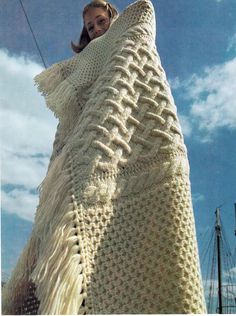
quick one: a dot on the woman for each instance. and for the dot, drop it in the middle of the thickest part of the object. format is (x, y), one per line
(98, 16)
(114, 230)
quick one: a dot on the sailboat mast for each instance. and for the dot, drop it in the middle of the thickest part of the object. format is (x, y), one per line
(235, 218)
(218, 236)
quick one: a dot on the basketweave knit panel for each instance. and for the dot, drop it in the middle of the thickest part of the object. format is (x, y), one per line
(114, 231)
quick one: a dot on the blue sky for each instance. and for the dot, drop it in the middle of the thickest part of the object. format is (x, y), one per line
(196, 41)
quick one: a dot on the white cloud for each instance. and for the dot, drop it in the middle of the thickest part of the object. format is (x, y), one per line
(231, 273)
(210, 284)
(27, 132)
(24, 170)
(21, 202)
(213, 99)
(24, 132)
(232, 44)
(185, 125)
(175, 83)
(228, 290)
(198, 197)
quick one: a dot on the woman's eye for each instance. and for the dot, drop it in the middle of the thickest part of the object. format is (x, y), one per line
(90, 28)
(102, 21)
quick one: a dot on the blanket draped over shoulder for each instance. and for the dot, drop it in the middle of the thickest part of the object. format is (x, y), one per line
(114, 231)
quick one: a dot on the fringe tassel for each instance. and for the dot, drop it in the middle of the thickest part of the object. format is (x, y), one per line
(64, 96)
(56, 88)
(14, 292)
(53, 258)
(58, 275)
(53, 203)
(47, 80)
(59, 272)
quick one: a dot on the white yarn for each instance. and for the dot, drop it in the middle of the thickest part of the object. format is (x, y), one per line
(114, 230)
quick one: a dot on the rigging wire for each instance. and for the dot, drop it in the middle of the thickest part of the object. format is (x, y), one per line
(229, 292)
(234, 256)
(32, 32)
(208, 257)
(228, 255)
(205, 250)
(212, 280)
(235, 217)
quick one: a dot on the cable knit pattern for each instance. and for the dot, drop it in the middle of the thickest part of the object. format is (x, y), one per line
(114, 231)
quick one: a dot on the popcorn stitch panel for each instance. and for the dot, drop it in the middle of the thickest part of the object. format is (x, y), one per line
(123, 278)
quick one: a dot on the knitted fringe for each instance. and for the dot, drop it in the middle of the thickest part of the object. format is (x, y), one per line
(59, 93)
(57, 289)
(49, 79)
(52, 268)
(53, 203)
(11, 296)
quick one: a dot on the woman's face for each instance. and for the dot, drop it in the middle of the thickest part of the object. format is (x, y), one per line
(97, 22)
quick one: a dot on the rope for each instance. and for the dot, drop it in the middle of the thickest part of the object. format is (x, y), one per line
(32, 32)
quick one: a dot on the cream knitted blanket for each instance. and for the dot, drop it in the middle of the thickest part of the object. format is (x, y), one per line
(114, 229)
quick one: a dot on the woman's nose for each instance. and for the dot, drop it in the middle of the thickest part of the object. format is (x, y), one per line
(97, 29)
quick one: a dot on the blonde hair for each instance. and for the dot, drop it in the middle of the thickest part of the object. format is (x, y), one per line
(84, 36)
